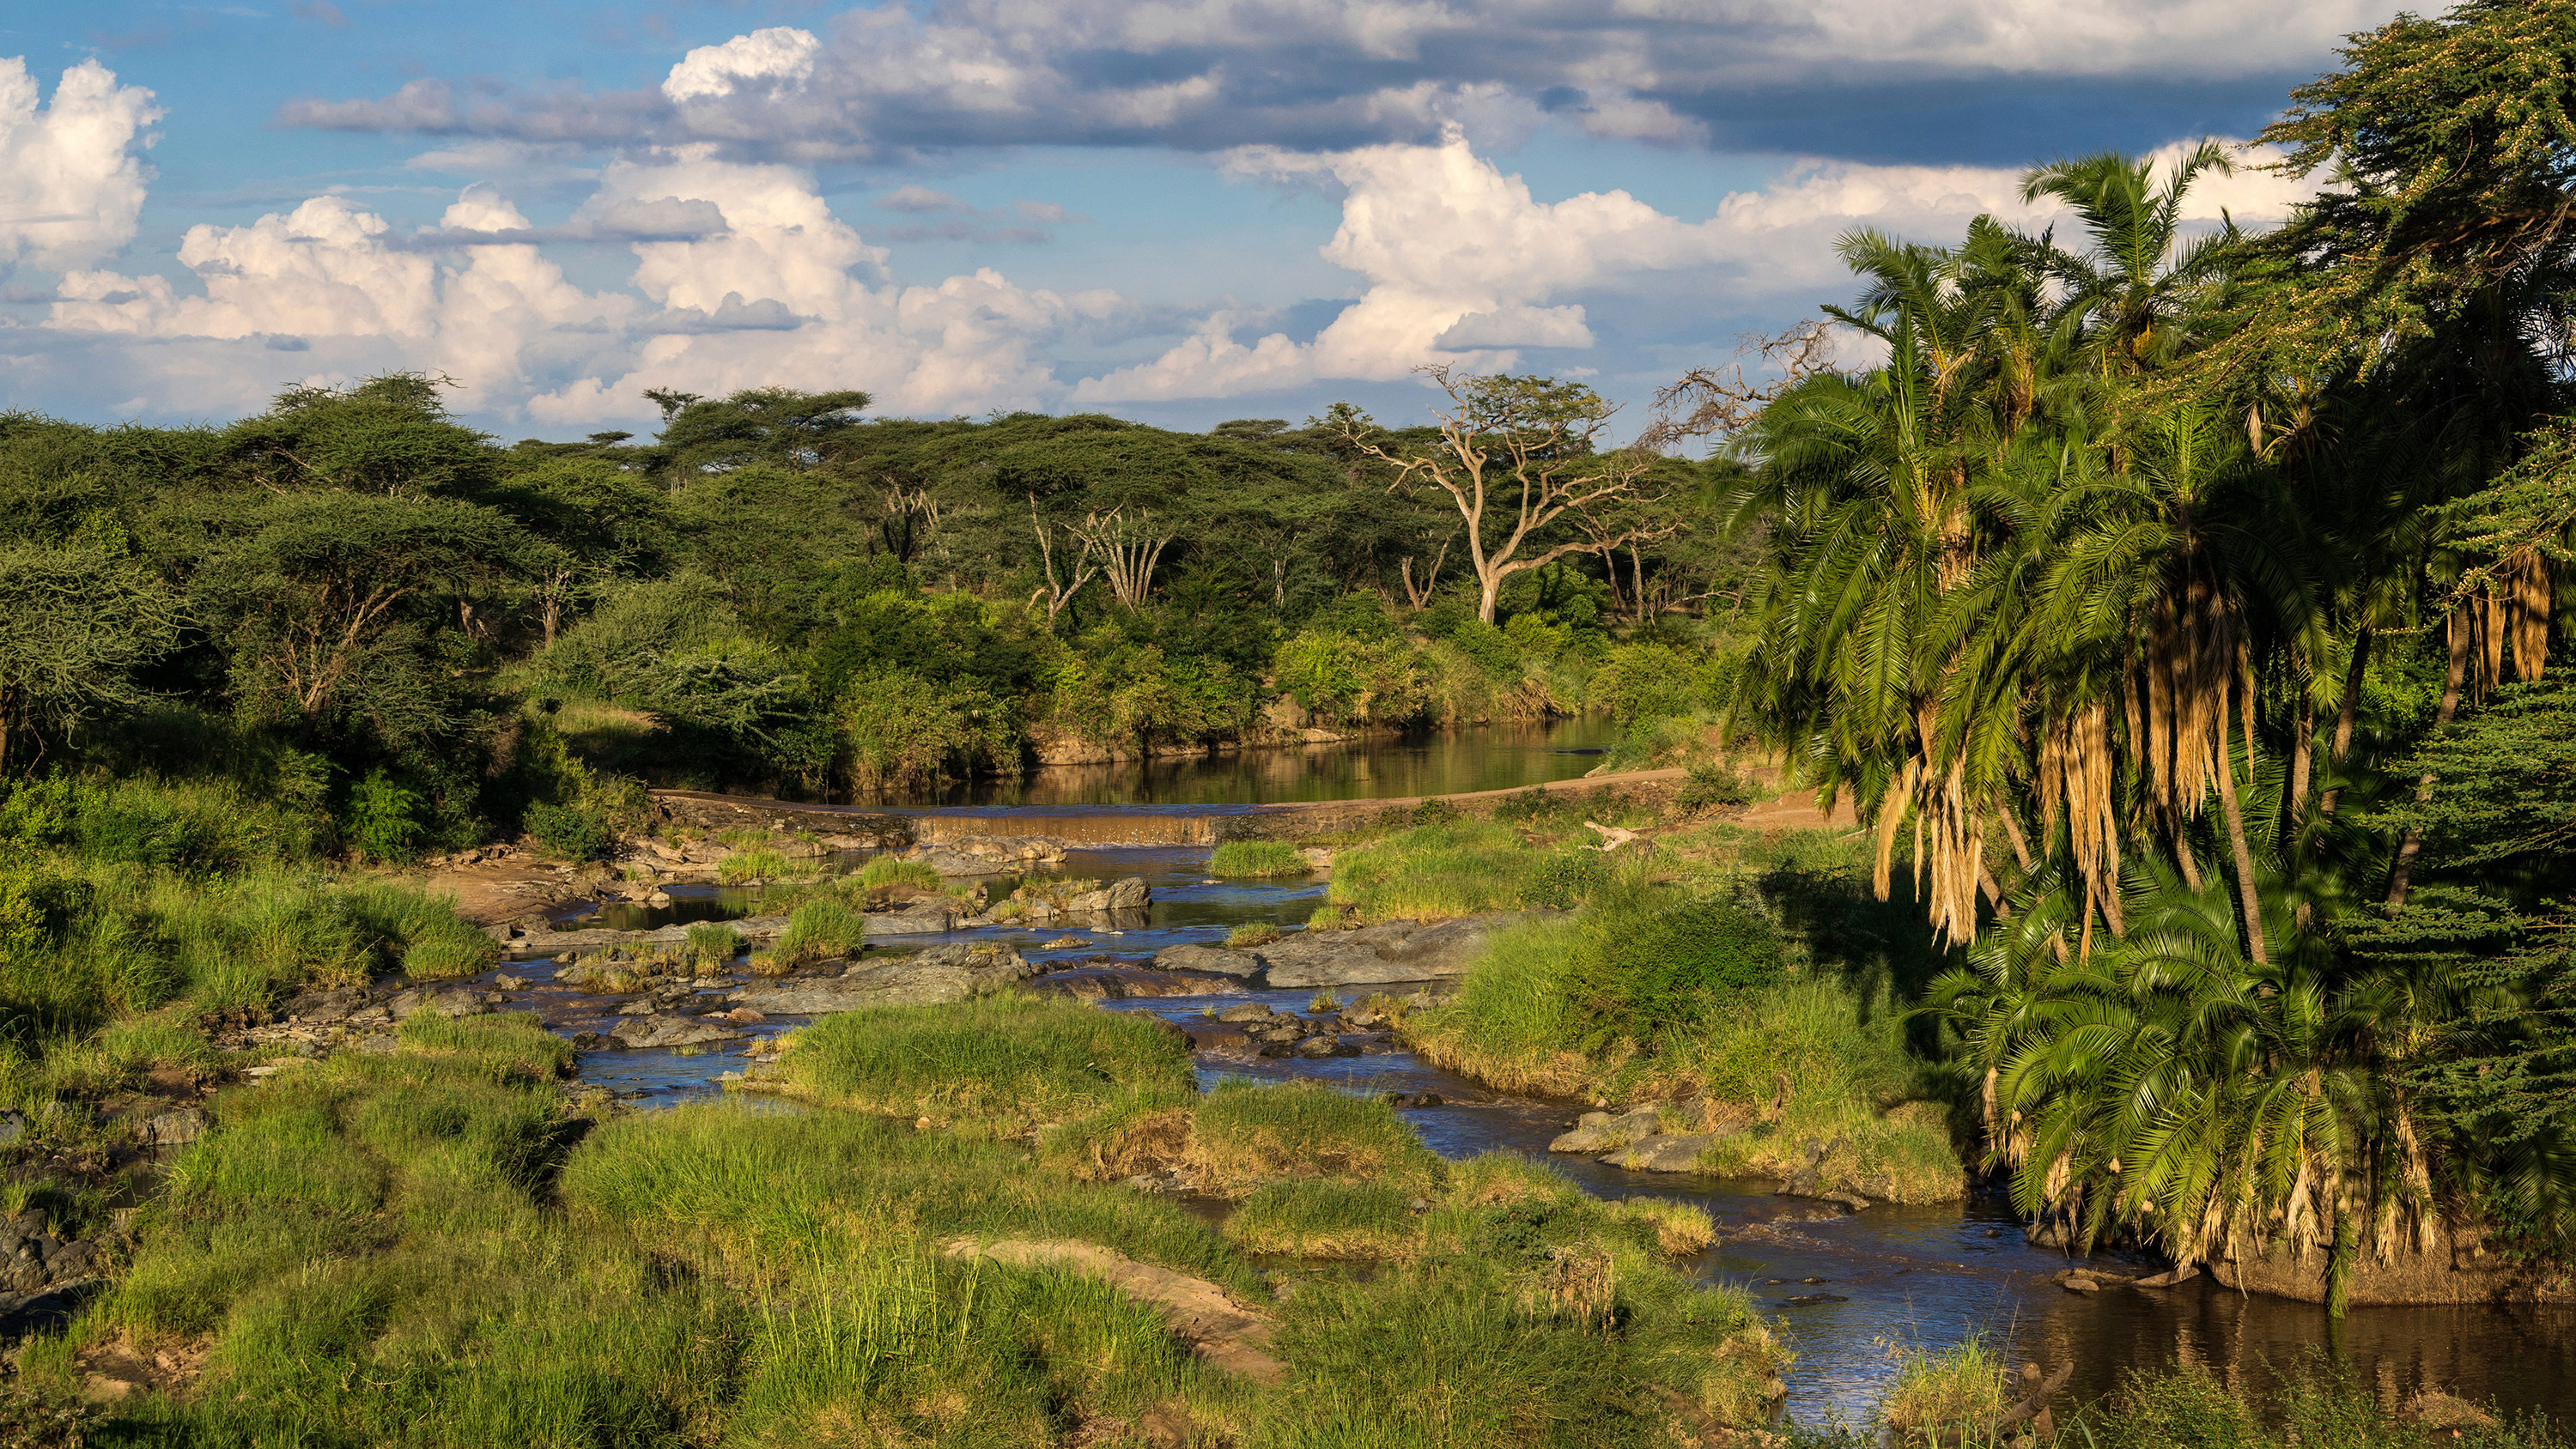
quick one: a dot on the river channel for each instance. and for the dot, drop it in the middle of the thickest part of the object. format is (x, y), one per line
(1904, 1277)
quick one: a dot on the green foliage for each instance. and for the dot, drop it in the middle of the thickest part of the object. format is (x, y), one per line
(1252, 933)
(901, 730)
(712, 945)
(1714, 786)
(822, 930)
(569, 831)
(1256, 859)
(888, 870)
(383, 818)
(998, 1065)
(1643, 682)
(82, 622)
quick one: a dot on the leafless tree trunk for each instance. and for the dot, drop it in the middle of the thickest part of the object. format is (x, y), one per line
(1520, 452)
(1128, 552)
(1058, 594)
(1420, 598)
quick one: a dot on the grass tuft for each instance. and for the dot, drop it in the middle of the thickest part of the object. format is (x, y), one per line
(1256, 859)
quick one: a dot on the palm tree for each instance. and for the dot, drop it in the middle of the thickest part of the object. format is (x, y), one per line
(2136, 288)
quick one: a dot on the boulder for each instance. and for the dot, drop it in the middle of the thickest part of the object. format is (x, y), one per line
(1249, 1011)
(1319, 1047)
(942, 973)
(174, 1128)
(1662, 1153)
(921, 918)
(1214, 960)
(668, 1031)
(446, 1003)
(2170, 1279)
(1387, 951)
(1596, 1132)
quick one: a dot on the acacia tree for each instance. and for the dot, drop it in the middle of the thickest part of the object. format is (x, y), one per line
(81, 621)
(1514, 455)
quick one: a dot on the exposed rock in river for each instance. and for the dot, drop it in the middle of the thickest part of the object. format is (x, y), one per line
(1387, 951)
(942, 973)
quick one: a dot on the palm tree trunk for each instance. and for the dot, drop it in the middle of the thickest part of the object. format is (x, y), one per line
(2236, 842)
(2344, 713)
(2455, 679)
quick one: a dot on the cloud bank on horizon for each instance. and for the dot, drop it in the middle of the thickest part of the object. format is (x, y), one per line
(702, 247)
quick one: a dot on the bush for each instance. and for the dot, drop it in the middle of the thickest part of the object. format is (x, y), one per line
(383, 818)
(900, 730)
(1255, 859)
(1713, 786)
(1656, 962)
(1641, 682)
(569, 831)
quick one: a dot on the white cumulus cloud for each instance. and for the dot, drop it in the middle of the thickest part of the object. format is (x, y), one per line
(71, 185)
(777, 60)
(1462, 264)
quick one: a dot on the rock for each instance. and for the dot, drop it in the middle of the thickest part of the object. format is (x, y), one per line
(324, 1006)
(921, 918)
(1130, 894)
(744, 1016)
(1318, 1047)
(1412, 1101)
(1662, 1153)
(1387, 951)
(173, 1128)
(1065, 943)
(1596, 1132)
(1249, 1011)
(13, 1125)
(941, 973)
(508, 982)
(668, 1031)
(2078, 1283)
(446, 1003)
(2171, 1278)
(1214, 960)
(585, 1041)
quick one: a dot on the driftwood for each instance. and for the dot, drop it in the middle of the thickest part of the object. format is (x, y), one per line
(1612, 836)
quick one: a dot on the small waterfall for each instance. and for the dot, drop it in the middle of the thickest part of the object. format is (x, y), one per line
(1080, 827)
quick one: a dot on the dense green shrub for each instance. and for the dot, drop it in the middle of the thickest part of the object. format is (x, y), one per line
(1657, 961)
(1641, 682)
(1714, 786)
(383, 818)
(570, 831)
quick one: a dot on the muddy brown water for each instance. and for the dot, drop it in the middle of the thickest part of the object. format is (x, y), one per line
(1924, 1277)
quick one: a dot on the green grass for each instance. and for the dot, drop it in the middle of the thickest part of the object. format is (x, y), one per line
(1001, 1065)
(1462, 868)
(887, 870)
(1252, 933)
(746, 866)
(821, 930)
(1256, 859)
(1247, 1134)
(713, 944)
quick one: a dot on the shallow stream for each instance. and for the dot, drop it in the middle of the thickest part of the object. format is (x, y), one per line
(1903, 1276)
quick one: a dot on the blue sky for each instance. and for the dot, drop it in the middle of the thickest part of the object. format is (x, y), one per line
(1177, 210)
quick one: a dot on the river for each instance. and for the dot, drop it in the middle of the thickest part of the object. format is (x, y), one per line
(1906, 1277)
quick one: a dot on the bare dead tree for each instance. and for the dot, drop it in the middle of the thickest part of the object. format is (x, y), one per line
(1717, 402)
(911, 517)
(1517, 453)
(1128, 550)
(1057, 594)
(1420, 597)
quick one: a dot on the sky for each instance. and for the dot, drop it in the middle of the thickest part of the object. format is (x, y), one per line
(1179, 211)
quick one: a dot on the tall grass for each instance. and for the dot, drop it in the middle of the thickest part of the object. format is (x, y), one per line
(744, 867)
(888, 870)
(1256, 859)
(823, 930)
(1462, 868)
(1000, 1065)
(713, 944)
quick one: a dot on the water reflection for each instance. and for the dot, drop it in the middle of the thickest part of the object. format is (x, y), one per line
(1453, 762)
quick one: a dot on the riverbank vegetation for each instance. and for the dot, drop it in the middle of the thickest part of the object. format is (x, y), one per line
(424, 1246)
(2178, 574)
